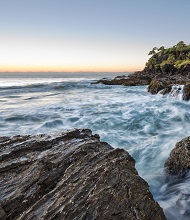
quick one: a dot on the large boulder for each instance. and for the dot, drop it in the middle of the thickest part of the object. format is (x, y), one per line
(156, 85)
(71, 175)
(179, 159)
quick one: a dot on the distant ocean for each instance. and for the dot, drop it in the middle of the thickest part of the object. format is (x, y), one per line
(147, 126)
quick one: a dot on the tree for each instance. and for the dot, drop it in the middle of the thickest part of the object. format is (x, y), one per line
(153, 51)
(188, 55)
(180, 44)
(161, 48)
(171, 59)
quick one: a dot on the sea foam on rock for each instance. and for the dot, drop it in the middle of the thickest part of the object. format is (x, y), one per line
(71, 175)
(158, 84)
(176, 87)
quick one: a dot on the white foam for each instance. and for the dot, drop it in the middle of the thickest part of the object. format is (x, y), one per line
(177, 91)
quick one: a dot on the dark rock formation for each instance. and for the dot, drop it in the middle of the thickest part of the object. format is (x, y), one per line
(165, 68)
(186, 92)
(179, 159)
(157, 85)
(166, 90)
(70, 175)
(131, 80)
(164, 85)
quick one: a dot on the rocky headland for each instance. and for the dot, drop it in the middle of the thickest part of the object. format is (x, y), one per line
(166, 68)
(71, 175)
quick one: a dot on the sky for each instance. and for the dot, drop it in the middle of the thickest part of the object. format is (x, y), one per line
(88, 35)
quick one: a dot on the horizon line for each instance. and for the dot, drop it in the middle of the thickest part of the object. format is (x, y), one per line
(67, 71)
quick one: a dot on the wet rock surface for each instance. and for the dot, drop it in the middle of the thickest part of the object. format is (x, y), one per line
(131, 80)
(164, 85)
(70, 175)
(186, 92)
(157, 85)
(179, 159)
(157, 82)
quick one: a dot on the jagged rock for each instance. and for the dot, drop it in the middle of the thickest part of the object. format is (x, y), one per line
(179, 159)
(71, 176)
(131, 80)
(186, 92)
(166, 90)
(164, 85)
(156, 85)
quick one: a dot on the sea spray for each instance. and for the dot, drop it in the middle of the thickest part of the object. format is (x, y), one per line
(147, 126)
(177, 91)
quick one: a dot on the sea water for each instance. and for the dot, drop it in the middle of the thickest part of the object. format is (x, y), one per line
(147, 126)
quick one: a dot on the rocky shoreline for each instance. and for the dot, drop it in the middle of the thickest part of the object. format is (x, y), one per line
(165, 68)
(135, 79)
(71, 175)
(156, 82)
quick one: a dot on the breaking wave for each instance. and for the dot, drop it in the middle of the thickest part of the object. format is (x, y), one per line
(147, 126)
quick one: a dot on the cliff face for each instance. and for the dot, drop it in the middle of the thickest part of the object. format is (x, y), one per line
(71, 175)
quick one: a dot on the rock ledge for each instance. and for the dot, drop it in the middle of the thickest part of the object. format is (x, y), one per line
(71, 175)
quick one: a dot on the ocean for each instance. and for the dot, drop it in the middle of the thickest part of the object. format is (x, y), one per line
(147, 126)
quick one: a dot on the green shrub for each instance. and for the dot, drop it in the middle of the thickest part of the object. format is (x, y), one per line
(181, 63)
(176, 57)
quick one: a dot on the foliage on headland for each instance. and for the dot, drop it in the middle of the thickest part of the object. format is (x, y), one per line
(166, 67)
(169, 60)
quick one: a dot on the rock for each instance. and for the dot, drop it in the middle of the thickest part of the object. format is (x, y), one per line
(3, 214)
(71, 175)
(166, 90)
(186, 92)
(158, 82)
(168, 68)
(184, 70)
(120, 77)
(164, 85)
(131, 80)
(179, 159)
(156, 85)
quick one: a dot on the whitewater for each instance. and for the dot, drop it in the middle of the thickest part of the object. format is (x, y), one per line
(147, 126)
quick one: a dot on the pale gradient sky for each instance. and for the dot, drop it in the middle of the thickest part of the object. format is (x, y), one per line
(88, 35)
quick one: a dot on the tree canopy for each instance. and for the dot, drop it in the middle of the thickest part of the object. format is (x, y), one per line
(177, 57)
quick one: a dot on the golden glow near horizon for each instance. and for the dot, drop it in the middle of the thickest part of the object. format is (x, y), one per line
(73, 35)
(67, 55)
(63, 69)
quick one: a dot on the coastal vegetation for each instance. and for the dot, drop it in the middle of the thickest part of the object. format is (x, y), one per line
(165, 68)
(169, 60)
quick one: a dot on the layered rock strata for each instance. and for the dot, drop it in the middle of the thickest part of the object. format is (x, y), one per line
(71, 175)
